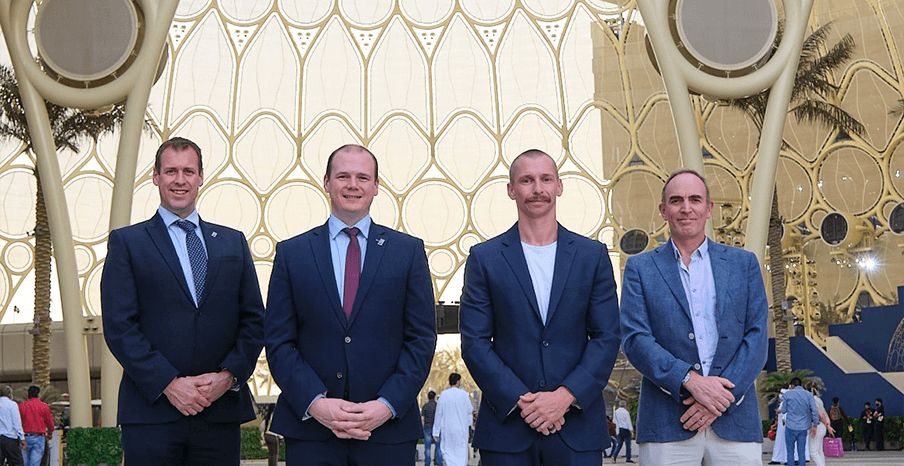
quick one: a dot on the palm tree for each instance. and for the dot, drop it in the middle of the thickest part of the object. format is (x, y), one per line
(774, 383)
(812, 98)
(70, 127)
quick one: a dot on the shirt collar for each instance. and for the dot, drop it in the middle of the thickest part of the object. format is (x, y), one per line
(702, 251)
(169, 217)
(336, 226)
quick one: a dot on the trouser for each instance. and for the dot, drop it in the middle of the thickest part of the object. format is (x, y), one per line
(11, 451)
(34, 449)
(799, 438)
(624, 438)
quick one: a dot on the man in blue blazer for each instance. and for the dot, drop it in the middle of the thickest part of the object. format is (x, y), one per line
(693, 317)
(539, 329)
(183, 314)
(350, 329)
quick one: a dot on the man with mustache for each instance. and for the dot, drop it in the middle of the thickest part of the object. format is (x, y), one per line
(538, 327)
(693, 320)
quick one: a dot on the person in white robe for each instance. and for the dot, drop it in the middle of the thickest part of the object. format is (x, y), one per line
(453, 419)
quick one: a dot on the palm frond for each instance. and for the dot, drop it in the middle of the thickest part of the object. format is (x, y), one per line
(69, 126)
(827, 115)
(897, 110)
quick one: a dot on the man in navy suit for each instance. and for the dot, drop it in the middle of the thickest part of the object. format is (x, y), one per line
(183, 314)
(539, 331)
(693, 317)
(350, 329)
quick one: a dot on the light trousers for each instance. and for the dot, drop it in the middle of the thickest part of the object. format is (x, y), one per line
(705, 448)
(816, 454)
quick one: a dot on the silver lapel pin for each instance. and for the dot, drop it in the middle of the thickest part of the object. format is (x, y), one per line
(213, 234)
(380, 241)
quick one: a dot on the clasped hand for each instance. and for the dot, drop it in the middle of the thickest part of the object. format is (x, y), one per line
(190, 395)
(710, 397)
(350, 420)
(545, 411)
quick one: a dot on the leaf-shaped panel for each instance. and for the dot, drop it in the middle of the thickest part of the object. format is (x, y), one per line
(462, 75)
(332, 80)
(466, 151)
(398, 77)
(264, 153)
(328, 136)
(577, 63)
(850, 180)
(426, 13)
(269, 76)
(434, 212)
(403, 154)
(88, 198)
(532, 130)
(527, 71)
(206, 69)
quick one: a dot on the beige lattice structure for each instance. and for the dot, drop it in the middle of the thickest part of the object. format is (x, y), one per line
(446, 93)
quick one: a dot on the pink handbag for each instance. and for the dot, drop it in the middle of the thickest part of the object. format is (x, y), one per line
(832, 447)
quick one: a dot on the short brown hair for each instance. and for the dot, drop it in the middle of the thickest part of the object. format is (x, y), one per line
(178, 143)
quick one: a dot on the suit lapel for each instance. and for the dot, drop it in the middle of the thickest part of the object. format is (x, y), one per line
(214, 257)
(721, 273)
(320, 248)
(376, 242)
(160, 237)
(514, 256)
(565, 251)
(664, 258)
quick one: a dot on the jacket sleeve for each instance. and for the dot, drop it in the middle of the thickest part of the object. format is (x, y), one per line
(150, 370)
(751, 354)
(591, 375)
(656, 363)
(242, 359)
(419, 335)
(298, 381)
(500, 386)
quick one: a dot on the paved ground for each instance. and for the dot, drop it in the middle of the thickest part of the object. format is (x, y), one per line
(856, 458)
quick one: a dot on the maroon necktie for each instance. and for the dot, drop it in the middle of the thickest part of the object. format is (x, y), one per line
(352, 271)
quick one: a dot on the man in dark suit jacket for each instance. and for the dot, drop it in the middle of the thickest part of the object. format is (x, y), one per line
(539, 331)
(183, 314)
(350, 341)
(693, 317)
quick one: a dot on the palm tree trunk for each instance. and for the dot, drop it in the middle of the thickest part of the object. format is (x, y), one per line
(777, 273)
(41, 335)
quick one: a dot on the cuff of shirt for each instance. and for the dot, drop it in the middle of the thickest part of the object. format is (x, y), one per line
(307, 412)
(388, 405)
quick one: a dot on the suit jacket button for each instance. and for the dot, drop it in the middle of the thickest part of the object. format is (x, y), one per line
(348, 340)
(542, 383)
(697, 366)
(545, 343)
(690, 335)
(338, 375)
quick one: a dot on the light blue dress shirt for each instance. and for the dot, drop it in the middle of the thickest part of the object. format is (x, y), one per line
(700, 291)
(177, 236)
(10, 422)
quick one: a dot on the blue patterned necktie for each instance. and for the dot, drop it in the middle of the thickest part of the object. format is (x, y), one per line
(197, 256)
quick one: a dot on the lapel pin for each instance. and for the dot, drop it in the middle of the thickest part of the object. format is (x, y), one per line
(213, 234)
(380, 241)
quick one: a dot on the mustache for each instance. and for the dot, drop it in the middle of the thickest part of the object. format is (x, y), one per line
(538, 198)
